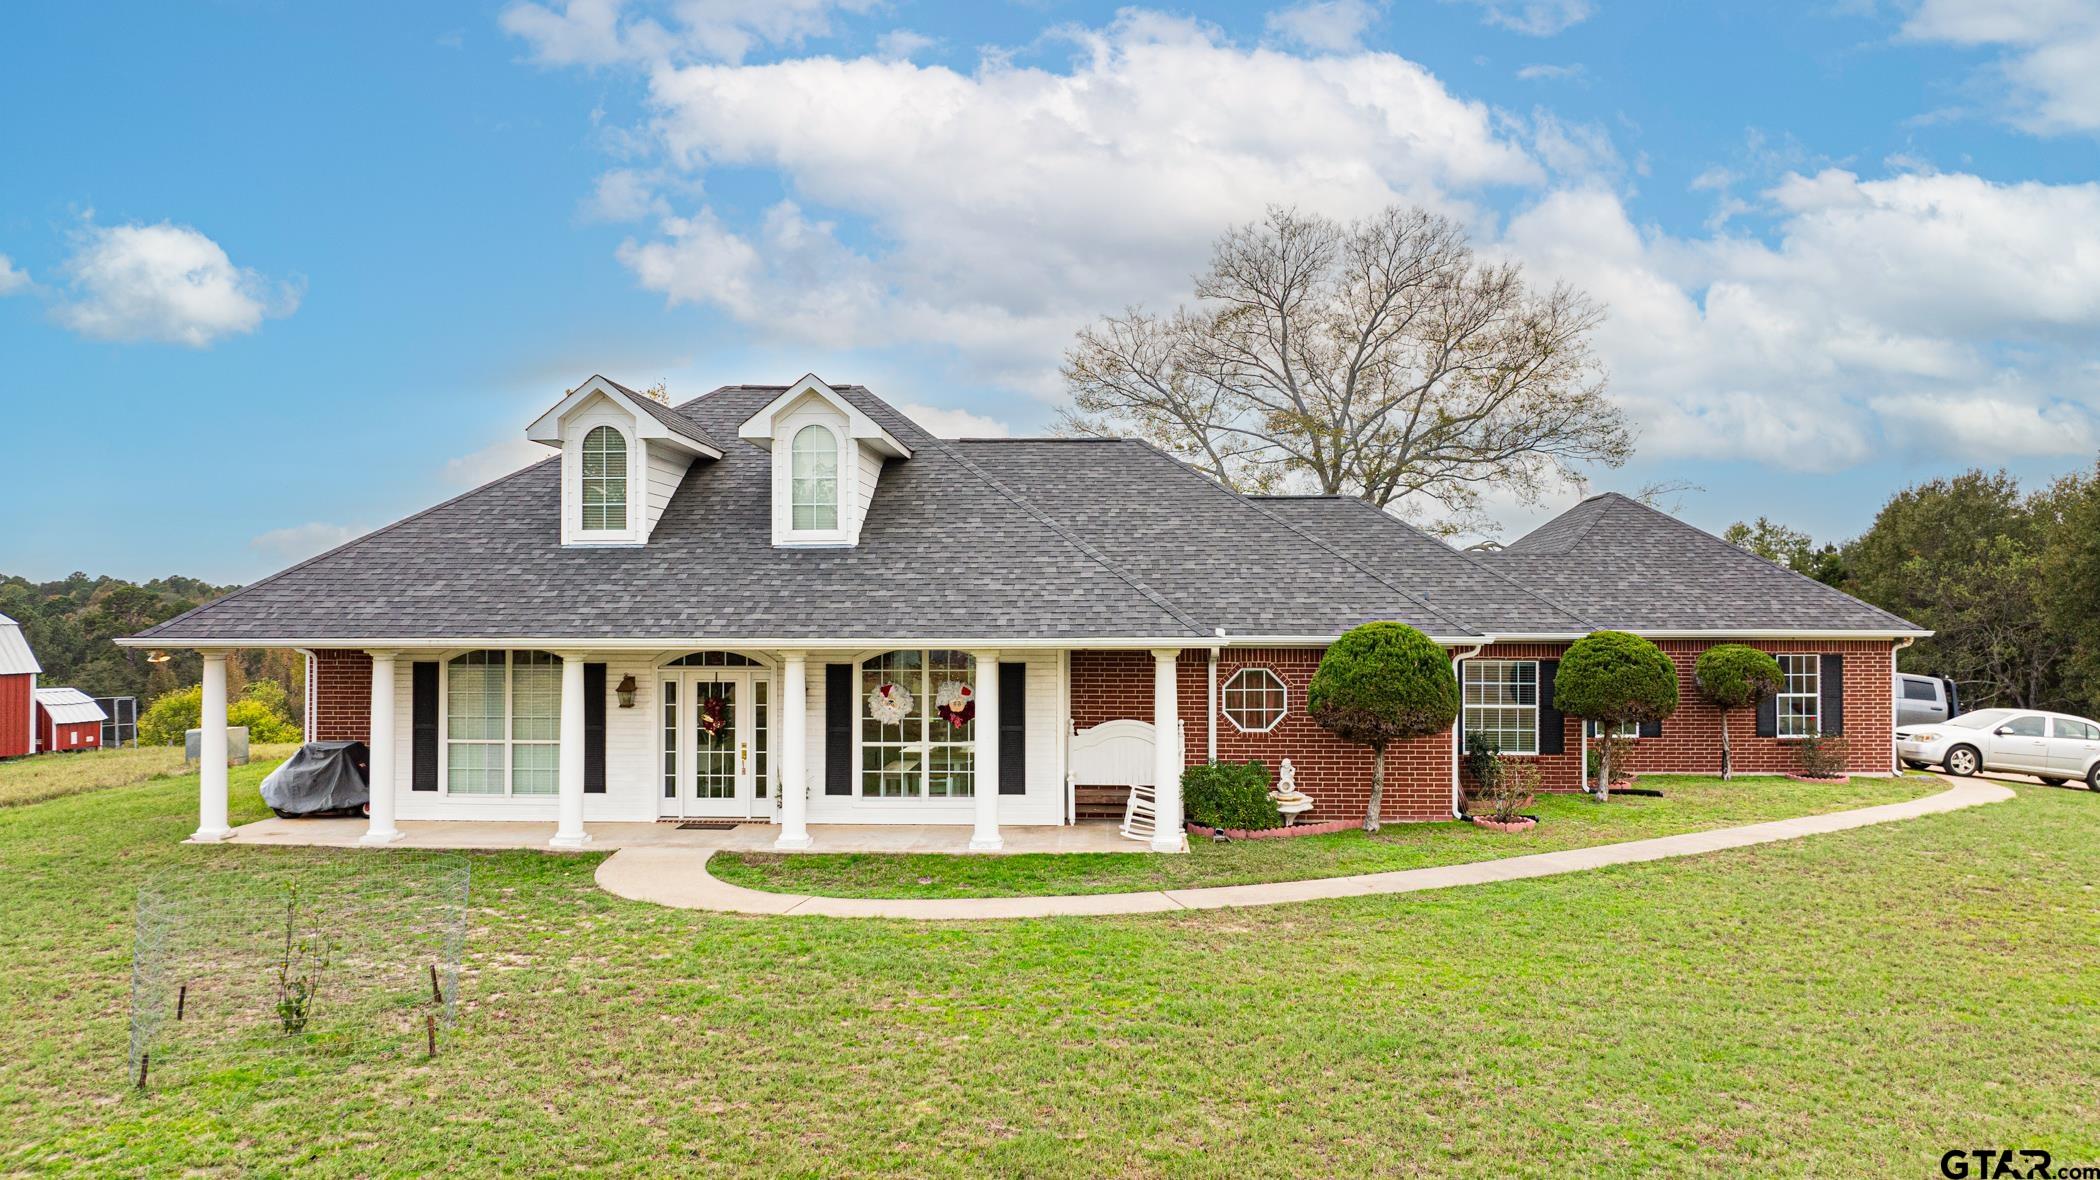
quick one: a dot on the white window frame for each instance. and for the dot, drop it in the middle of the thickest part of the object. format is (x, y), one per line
(510, 721)
(1283, 690)
(922, 703)
(575, 430)
(784, 531)
(1624, 730)
(1467, 704)
(626, 477)
(1814, 695)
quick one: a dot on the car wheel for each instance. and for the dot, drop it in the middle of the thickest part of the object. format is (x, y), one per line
(2092, 777)
(1963, 761)
(2053, 782)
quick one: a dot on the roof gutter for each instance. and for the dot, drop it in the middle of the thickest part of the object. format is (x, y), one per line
(1722, 633)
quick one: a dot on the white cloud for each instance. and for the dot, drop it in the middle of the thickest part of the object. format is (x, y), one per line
(995, 212)
(1535, 18)
(12, 279)
(623, 194)
(1574, 72)
(302, 541)
(945, 423)
(1328, 26)
(2050, 70)
(494, 461)
(986, 215)
(605, 32)
(164, 282)
(901, 44)
(1959, 423)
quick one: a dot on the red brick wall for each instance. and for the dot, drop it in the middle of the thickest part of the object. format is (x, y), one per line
(342, 697)
(1109, 685)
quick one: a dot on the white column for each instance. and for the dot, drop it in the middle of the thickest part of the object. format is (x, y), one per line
(381, 829)
(568, 827)
(1168, 835)
(984, 756)
(211, 754)
(794, 752)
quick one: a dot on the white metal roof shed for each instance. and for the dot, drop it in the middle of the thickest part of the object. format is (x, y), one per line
(15, 657)
(69, 706)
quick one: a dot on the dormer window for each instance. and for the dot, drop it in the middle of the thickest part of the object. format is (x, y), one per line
(604, 480)
(815, 480)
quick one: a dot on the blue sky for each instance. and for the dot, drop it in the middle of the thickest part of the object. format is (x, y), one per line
(278, 273)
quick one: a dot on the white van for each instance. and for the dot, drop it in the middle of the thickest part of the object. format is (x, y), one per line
(1925, 700)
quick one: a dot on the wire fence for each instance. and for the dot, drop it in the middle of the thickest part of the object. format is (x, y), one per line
(346, 957)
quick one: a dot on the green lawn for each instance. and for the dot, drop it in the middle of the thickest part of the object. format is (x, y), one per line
(1849, 1004)
(48, 776)
(1690, 803)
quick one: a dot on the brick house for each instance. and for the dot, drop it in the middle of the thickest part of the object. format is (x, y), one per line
(790, 604)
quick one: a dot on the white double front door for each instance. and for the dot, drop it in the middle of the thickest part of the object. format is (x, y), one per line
(714, 729)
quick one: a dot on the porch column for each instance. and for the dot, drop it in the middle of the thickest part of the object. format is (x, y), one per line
(984, 756)
(568, 827)
(211, 754)
(1168, 835)
(381, 829)
(794, 751)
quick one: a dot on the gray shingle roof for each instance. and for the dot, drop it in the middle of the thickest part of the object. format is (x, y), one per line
(673, 421)
(994, 540)
(1456, 582)
(1625, 565)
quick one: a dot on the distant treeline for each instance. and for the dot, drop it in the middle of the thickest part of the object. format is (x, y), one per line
(70, 625)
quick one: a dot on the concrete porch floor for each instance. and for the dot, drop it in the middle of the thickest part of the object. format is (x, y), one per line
(757, 837)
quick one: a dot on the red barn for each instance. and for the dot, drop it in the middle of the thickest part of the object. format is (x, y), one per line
(67, 719)
(18, 673)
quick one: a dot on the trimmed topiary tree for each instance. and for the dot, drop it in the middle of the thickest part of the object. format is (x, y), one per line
(1613, 677)
(1381, 683)
(1731, 676)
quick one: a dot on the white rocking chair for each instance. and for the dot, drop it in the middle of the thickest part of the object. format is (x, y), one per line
(1141, 813)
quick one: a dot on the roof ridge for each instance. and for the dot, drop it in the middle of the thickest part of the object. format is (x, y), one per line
(943, 446)
(1480, 565)
(1337, 554)
(327, 553)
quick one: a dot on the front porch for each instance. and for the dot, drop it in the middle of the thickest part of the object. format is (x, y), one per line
(757, 836)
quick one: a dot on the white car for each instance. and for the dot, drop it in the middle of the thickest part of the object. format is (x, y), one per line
(2054, 747)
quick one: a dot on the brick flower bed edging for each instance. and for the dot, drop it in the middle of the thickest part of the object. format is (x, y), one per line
(1837, 781)
(1320, 829)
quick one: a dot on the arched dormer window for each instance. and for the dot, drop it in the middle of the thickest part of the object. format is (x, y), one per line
(604, 479)
(814, 480)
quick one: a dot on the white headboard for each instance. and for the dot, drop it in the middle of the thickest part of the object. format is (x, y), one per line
(1113, 754)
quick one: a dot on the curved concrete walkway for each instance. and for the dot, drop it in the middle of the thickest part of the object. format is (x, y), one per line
(678, 876)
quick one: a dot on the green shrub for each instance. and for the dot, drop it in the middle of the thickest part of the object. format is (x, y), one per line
(171, 715)
(1229, 795)
(1615, 677)
(1484, 765)
(1823, 755)
(1733, 676)
(261, 709)
(1382, 683)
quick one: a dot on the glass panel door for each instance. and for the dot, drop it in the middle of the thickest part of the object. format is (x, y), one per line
(713, 742)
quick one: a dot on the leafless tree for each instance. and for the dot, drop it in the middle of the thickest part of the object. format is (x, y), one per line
(1381, 359)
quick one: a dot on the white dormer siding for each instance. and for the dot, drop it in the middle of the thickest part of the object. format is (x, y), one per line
(833, 511)
(616, 451)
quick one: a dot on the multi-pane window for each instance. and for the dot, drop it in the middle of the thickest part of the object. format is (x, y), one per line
(1800, 701)
(813, 474)
(1502, 703)
(920, 753)
(1254, 699)
(1624, 729)
(503, 723)
(604, 479)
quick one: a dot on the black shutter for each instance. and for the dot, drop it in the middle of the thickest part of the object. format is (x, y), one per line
(838, 729)
(1833, 689)
(1553, 736)
(1651, 729)
(594, 729)
(1768, 717)
(1013, 729)
(423, 725)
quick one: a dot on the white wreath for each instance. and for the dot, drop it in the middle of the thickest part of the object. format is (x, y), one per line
(952, 694)
(889, 703)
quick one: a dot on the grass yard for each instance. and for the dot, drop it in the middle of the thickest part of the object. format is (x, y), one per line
(49, 776)
(1690, 803)
(1849, 1004)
